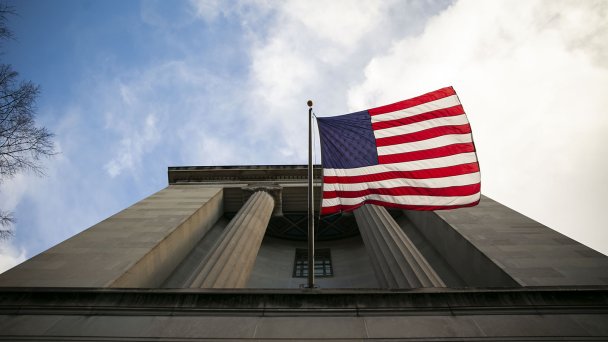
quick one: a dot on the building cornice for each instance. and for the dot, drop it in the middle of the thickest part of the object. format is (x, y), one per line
(240, 173)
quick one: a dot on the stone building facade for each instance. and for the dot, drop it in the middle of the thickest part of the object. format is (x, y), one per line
(220, 253)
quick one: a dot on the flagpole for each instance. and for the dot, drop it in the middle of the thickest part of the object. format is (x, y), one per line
(311, 205)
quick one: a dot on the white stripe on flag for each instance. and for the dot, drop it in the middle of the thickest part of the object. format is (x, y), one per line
(421, 126)
(467, 179)
(404, 200)
(436, 142)
(445, 102)
(457, 159)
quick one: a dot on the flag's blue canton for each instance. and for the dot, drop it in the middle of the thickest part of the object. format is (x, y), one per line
(347, 141)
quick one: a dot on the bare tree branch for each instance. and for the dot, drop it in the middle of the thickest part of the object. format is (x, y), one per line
(22, 143)
(5, 11)
(6, 221)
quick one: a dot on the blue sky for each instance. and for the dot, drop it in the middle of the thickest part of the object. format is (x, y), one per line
(131, 87)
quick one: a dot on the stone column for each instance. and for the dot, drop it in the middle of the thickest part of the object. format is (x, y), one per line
(395, 259)
(231, 260)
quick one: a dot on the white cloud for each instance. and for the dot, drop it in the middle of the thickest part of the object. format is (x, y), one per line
(316, 50)
(216, 151)
(531, 78)
(146, 109)
(165, 14)
(133, 146)
(12, 191)
(10, 256)
(208, 9)
(340, 21)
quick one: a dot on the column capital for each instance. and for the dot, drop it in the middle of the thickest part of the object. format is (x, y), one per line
(273, 190)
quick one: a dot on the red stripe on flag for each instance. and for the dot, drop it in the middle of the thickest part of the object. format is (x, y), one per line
(428, 97)
(423, 135)
(339, 208)
(439, 172)
(461, 190)
(438, 152)
(439, 113)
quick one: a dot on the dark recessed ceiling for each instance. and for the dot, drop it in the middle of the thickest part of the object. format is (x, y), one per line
(294, 226)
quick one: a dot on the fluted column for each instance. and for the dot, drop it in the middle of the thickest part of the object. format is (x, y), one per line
(395, 259)
(231, 260)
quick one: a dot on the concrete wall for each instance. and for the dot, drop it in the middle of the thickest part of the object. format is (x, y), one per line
(275, 259)
(528, 252)
(339, 315)
(180, 277)
(274, 265)
(442, 267)
(138, 247)
(470, 264)
(446, 327)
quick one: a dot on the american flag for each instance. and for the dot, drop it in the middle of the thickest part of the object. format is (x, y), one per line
(415, 154)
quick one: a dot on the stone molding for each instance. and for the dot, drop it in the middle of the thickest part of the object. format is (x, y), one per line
(295, 302)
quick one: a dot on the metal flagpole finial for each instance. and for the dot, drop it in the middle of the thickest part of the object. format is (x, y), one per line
(309, 103)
